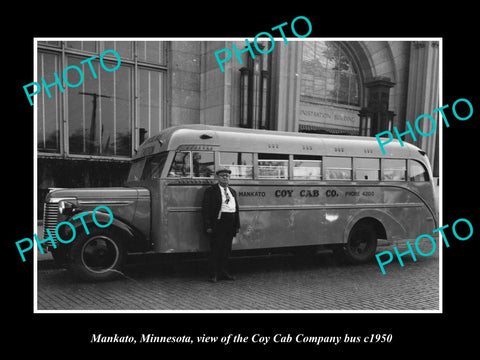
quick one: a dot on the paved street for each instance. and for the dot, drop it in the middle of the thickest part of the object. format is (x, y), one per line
(276, 282)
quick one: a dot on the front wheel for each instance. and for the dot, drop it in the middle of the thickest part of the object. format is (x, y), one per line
(97, 256)
(361, 244)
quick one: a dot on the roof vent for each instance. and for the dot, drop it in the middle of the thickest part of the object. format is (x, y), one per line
(205, 136)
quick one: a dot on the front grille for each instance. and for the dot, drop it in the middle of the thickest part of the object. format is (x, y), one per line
(50, 221)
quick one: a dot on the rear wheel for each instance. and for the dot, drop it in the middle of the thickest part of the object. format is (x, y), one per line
(361, 244)
(97, 256)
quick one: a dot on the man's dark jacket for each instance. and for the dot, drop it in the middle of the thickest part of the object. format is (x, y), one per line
(212, 203)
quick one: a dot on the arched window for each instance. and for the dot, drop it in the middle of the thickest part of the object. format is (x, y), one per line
(328, 75)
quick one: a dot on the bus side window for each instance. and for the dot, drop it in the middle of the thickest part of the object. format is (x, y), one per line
(272, 166)
(417, 171)
(307, 167)
(240, 164)
(203, 164)
(367, 169)
(180, 165)
(338, 168)
(394, 169)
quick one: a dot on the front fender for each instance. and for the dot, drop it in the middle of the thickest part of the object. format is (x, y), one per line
(83, 221)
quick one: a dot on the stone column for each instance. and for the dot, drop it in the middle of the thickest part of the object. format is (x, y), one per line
(286, 74)
(423, 93)
(217, 96)
(185, 82)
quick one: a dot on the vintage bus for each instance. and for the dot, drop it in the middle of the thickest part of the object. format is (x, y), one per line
(294, 190)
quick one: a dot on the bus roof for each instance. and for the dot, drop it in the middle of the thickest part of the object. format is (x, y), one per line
(207, 137)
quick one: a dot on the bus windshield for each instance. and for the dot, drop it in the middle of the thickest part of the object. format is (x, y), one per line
(147, 168)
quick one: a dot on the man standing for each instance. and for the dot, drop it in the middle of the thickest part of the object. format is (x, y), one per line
(221, 222)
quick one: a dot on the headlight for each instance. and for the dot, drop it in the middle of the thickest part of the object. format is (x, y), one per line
(65, 207)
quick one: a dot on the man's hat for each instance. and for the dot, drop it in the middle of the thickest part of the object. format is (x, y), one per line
(223, 170)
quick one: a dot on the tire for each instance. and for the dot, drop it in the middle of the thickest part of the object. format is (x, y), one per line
(361, 245)
(98, 256)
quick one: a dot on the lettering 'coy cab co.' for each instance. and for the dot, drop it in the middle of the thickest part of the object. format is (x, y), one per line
(294, 190)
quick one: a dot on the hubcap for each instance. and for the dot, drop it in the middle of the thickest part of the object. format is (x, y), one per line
(100, 254)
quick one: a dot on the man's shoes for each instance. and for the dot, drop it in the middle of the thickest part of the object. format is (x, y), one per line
(226, 276)
(213, 279)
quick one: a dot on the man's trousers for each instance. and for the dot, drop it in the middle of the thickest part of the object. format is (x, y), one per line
(221, 244)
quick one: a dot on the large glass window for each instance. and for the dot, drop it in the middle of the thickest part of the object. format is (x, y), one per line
(241, 164)
(90, 46)
(394, 169)
(150, 101)
(51, 43)
(367, 169)
(338, 168)
(272, 166)
(99, 113)
(123, 48)
(48, 115)
(306, 167)
(99, 110)
(328, 74)
(151, 52)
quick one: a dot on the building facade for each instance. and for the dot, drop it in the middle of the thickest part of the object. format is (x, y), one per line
(87, 134)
